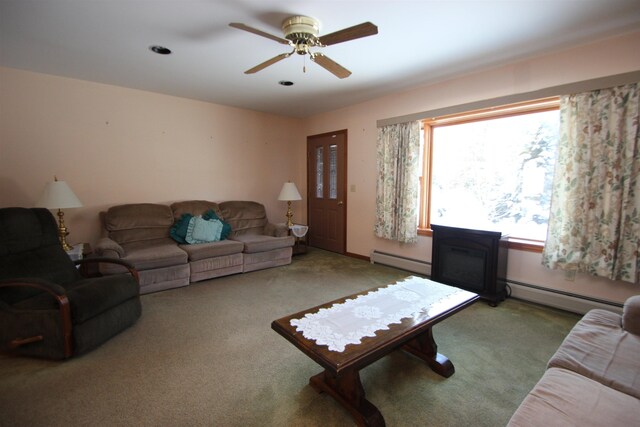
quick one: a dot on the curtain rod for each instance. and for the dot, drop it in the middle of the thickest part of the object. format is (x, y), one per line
(565, 89)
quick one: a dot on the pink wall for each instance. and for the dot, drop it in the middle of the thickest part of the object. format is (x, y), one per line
(607, 57)
(115, 145)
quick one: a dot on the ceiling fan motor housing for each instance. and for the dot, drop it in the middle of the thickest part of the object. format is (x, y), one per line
(302, 31)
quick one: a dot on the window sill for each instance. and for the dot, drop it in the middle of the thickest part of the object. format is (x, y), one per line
(512, 242)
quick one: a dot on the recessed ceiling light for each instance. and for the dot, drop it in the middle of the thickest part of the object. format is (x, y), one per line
(161, 50)
(285, 83)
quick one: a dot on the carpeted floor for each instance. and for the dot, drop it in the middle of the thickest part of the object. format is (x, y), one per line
(205, 355)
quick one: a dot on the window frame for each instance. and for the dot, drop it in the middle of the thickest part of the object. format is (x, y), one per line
(502, 111)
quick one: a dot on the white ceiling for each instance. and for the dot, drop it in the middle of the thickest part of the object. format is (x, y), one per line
(419, 42)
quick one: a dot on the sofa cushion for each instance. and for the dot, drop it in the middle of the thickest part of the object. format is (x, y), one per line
(91, 297)
(154, 254)
(598, 348)
(257, 243)
(138, 222)
(244, 217)
(213, 249)
(194, 207)
(563, 398)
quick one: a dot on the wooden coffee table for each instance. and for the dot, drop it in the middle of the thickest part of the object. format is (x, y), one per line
(341, 377)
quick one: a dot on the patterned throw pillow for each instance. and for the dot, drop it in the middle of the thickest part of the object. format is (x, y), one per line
(178, 231)
(226, 227)
(201, 230)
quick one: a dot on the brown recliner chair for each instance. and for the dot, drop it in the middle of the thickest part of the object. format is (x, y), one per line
(47, 308)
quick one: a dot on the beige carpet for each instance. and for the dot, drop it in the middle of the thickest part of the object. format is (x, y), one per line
(205, 355)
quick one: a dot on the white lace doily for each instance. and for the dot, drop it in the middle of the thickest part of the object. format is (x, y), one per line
(354, 319)
(299, 230)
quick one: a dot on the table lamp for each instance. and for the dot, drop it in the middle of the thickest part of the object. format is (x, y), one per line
(288, 193)
(58, 195)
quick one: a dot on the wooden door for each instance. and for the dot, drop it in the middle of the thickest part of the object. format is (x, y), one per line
(326, 184)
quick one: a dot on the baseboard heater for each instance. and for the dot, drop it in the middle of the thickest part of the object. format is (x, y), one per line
(401, 262)
(559, 299)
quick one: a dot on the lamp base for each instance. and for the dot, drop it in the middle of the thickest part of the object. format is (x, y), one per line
(62, 232)
(289, 215)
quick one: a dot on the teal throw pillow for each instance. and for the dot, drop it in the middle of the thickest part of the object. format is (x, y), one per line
(201, 230)
(226, 227)
(178, 231)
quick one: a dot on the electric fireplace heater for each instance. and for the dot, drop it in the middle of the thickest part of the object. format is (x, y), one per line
(474, 260)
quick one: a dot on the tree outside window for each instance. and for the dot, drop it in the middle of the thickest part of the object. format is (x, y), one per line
(492, 173)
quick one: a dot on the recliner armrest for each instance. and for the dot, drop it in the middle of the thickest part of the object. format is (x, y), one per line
(60, 294)
(126, 264)
(109, 248)
(41, 284)
(631, 315)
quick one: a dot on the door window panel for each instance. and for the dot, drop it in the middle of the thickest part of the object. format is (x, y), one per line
(333, 171)
(319, 172)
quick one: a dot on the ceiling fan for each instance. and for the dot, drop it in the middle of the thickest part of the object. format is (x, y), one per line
(301, 33)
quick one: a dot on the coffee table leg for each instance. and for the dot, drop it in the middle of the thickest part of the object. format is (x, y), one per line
(424, 347)
(347, 389)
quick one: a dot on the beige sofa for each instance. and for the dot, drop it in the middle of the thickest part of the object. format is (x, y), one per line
(140, 234)
(593, 379)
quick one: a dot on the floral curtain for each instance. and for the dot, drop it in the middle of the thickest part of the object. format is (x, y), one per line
(398, 152)
(594, 224)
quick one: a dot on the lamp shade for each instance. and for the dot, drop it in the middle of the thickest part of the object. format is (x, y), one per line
(289, 192)
(58, 195)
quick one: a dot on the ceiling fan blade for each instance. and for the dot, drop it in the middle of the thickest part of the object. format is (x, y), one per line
(265, 64)
(258, 32)
(330, 65)
(357, 31)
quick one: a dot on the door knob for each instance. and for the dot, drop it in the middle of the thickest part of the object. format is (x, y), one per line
(340, 203)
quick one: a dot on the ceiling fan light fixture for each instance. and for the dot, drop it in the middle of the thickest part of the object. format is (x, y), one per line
(300, 27)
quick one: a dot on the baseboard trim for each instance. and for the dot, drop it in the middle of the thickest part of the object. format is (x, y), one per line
(560, 299)
(358, 256)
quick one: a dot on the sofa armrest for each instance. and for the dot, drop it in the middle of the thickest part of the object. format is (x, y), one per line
(107, 247)
(631, 315)
(276, 230)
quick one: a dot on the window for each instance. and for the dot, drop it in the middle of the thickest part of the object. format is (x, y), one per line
(491, 169)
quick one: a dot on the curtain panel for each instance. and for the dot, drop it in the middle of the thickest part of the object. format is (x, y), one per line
(594, 223)
(398, 151)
